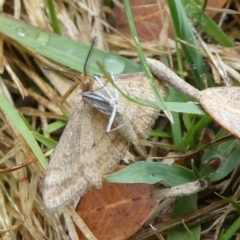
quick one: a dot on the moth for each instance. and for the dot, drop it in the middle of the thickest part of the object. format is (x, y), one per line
(86, 152)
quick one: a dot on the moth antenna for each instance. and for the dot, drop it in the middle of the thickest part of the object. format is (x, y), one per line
(88, 56)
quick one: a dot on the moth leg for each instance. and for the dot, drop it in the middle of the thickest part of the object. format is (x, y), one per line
(113, 101)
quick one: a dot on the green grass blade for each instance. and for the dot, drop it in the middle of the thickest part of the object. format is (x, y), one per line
(230, 161)
(20, 125)
(52, 127)
(184, 205)
(48, 142)
(190, 140)
(160, 134)
(229, 200)
(232, 230)
(235, 226)
(192, 108)
(53, 16)
(195, 12)
(176, 130)
(184, 31)
(176, 125)
(148, 74)
(62, 50)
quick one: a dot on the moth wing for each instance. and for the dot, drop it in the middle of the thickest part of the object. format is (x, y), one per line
(64, 179)
(84, 154)
(103, 151)
(143, 116)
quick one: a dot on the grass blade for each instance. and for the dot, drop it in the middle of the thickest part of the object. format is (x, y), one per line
(19, 124)
(62, 50)
(195, 12)
(53, 16)
(148, 74)
(184, 32)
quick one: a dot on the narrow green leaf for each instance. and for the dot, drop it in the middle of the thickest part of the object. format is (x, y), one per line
(229, 200)
(227, 153)
(184, 32)
(152, 172)
(176, 125)
(52, 127)
(184, 205)
(232, 230)
(162, 134)
(62, 50)
(195, 12)
(195, 127)
(160, 101)
(48, 142)
(219, 150)
(53, 16)
(19, 124)
(229, 163)
(192, 108)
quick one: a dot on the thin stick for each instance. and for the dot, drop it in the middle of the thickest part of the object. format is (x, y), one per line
(166, 74)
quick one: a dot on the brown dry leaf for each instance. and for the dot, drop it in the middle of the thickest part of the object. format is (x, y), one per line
(151, 18)
(117, 211)
(146, 17)
(215, 4)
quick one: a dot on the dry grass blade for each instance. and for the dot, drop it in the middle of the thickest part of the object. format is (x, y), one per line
(2, 171)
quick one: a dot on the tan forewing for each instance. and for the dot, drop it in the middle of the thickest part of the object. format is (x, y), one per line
(105, 150)
(85, 153)
(64, 178)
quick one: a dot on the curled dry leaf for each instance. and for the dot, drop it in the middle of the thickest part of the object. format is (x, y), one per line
(221, 103)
